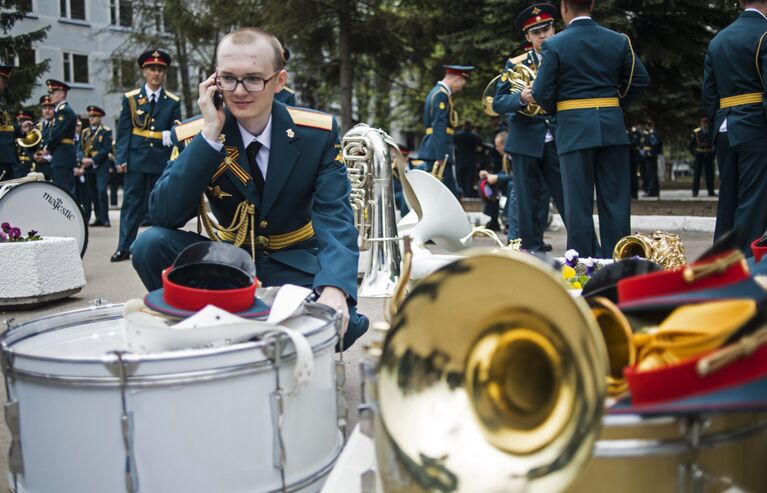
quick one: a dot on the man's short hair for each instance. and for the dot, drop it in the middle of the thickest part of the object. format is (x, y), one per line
(502, 134)
(579, 6)
(247, 35)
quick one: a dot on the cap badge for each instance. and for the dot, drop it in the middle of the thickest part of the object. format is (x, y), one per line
(536, 11)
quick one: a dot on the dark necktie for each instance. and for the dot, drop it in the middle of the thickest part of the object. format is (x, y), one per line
(255, 171)
(151, 103)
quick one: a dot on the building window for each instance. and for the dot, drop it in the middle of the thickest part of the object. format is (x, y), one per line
(75, 68)
(121, 12)
(25, 6)
(124, 73)
(72, 9)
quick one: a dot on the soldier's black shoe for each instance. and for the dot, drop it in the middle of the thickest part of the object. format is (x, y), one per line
(120, 256)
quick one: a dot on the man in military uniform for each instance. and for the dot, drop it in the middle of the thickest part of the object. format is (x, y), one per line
(701, 147)
(25, 155)
(41, 158)
(143, 144)
(531, 142)
(650, 147)
(8, 131)
(588, 73)
(274, 177)
(735, 71)
(440, 119)
(97, 144)
(60, 142)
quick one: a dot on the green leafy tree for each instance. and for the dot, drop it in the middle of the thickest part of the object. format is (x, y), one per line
(18, 51)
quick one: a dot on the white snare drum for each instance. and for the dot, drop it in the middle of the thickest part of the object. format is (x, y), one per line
(202, 420)
(44, 207)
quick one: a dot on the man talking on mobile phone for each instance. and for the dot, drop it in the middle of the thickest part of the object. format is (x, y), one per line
(274, 179)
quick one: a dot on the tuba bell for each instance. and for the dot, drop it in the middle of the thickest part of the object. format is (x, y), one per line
(506, 399)
(369, 155)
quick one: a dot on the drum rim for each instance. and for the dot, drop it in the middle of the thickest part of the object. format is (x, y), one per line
(17, 334)
(79, 208)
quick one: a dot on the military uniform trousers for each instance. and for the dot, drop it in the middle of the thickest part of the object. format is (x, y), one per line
(704, 164)
(96, 182)
(636, 170)
(651, 184)
(608, 168)
(136, 187)
(536, 179)
(64, 176)
(742, 189)
(156, 249)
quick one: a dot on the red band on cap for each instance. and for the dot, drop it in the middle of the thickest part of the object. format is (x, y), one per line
(192, 299)
(535, 20)
(669, 282)
(682, 380)
(759, 248)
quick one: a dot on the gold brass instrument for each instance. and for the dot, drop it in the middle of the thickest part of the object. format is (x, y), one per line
(506, 398)
(619, 342)
(520, 77)
(369, 157)
(32, 140)
(660, 247)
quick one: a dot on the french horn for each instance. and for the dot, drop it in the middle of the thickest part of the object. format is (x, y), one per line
(31, 140)
(520, 77)
(503, 398)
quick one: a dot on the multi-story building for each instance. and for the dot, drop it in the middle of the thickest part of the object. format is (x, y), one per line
(83, 44)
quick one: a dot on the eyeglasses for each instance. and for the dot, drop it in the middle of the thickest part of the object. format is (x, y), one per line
(250, 83)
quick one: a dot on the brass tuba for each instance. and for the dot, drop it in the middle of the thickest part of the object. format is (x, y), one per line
(370, 154)
(660, 247)
(504, 399)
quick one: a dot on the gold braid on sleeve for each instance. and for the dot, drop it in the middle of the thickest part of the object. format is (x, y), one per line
(243, 222)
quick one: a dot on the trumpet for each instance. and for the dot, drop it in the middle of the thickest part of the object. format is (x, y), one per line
(31, 140)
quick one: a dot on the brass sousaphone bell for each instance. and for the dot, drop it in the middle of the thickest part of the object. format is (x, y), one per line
(660, 247)
(491, 378)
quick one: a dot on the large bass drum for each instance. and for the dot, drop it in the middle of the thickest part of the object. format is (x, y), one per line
(44, 207)
(85, 419)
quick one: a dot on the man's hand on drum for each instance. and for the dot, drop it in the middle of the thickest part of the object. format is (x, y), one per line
(213, 117)
(336, 299)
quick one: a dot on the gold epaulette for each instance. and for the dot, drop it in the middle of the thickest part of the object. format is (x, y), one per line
(189, 129)
(172, 96)
(291, 91)
(313, 119)
(132, 93)
(519, 58)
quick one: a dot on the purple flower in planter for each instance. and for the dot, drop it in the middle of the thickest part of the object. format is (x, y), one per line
(590, 264)
(6, 227)
(32, 233)
(15, 233)
(571, 258)
(3, 237)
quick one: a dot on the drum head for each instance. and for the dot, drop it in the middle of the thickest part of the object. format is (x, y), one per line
(47, 208)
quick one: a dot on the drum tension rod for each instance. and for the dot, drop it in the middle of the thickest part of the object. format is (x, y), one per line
(123, 370)
(12, 413)
(273, 351)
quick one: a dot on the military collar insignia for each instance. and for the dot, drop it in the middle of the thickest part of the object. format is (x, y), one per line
(139, 112)
(290, 133)
(221, 138)
(218, 193)
(142, 100)
(340, 158)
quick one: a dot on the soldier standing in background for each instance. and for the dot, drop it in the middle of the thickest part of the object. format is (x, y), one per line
(701, 147)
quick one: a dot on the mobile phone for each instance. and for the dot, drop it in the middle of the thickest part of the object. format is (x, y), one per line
(218, 100)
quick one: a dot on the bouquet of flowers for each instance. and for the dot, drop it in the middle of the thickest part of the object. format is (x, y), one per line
(9, 233)
(576, 271)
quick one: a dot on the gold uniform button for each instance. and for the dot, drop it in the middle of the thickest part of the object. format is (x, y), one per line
(263, 224)
(262, 242)
(151, 145)
(151, 128)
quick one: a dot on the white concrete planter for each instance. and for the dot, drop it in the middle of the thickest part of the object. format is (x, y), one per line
(33, 272)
